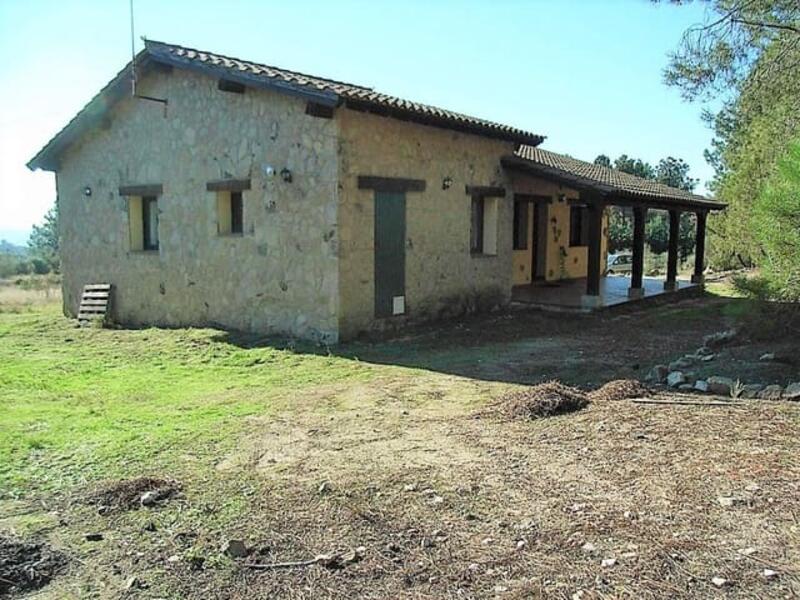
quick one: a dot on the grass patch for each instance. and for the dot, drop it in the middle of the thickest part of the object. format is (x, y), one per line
(82, 404)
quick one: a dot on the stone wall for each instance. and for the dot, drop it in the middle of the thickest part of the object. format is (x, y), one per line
(279, 276)
(442, 277)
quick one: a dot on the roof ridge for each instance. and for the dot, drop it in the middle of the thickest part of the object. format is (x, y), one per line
(261, 65)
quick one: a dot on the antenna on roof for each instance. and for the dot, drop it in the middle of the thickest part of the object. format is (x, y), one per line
(163, 101)
(133, 56)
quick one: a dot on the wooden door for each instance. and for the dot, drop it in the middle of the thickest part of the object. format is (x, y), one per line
(390, 253)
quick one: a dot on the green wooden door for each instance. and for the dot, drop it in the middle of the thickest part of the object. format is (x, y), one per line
(390, 253)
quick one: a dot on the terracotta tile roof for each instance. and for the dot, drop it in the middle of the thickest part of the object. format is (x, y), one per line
(604, 179)
(336, 92)
(320, 90)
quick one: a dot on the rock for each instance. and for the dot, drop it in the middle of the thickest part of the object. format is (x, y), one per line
(151, 527)
(704, 351)
(752, 487)
(324, 487)
(658, 373)
(719, 581)
(437, 500)
(354, 556)
(675, 378)
(726, 501)
(681, 363)
(150, 498)
(767, 356)
(236, 549)
(608, 562)
(133, 583)
(588, 547)
(792, 391)
(701, 385)
(94, 537)
(747, 551)
(715, 340)
(771, 392)
(410, 487)
(521, 544)
(708, 357)
(686, 387)
(769, 574)
(174, 558)
(750, 390)
(487, 541)
(720, 385)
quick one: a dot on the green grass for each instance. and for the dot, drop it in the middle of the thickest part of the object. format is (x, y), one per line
(82, 404)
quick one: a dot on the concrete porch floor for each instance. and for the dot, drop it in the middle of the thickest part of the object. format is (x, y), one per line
(567, 294)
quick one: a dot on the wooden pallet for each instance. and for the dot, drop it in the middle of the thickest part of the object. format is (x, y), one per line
(94, 303)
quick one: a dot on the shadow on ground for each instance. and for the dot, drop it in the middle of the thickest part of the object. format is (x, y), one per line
(527, 345)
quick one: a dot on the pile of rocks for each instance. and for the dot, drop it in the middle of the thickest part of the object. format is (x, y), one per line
(678, 375)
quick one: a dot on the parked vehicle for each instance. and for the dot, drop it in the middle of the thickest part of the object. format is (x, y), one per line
(619, 263)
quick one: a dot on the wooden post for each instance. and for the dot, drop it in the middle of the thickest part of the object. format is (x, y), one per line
(594, 213)
(637, 270)
(671, 284)
(700, 248)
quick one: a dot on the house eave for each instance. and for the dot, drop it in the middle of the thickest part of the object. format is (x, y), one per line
(610, 194)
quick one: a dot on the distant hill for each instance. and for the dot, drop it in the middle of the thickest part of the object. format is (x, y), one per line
(7, 247)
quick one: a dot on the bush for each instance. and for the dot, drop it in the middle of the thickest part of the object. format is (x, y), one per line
(40, 266)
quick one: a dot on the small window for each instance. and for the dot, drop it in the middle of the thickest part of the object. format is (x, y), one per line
(476, 228)
(578, 226)
(520, 225)
(150, 222)
(230, 213)
(143, 223)
(483, 226)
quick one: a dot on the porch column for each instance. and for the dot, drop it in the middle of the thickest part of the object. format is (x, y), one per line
(671, 284)
(700, 248)
(637, 289)
(594, 213)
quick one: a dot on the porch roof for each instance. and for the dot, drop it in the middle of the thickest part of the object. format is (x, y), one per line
(615, 185)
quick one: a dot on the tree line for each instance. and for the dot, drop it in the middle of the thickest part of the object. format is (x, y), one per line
(747, 55)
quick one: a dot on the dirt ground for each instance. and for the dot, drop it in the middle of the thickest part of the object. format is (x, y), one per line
(444, 500)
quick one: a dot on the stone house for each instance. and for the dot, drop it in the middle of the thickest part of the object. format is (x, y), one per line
(211, 190)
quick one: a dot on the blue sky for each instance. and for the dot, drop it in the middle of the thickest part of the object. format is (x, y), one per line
(585, 73)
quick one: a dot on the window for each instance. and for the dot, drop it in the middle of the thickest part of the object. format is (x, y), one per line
(520, 225)
(150, 223)
(578, 226)
(483, 226)
(230, 213)
(143, 223)
(476, 229)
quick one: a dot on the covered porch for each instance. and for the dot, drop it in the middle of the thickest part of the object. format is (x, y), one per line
(600, 187)
(614, 290)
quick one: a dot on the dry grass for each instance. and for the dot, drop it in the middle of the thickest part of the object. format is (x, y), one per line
(28, 293)
(452, 507)
(446, 505)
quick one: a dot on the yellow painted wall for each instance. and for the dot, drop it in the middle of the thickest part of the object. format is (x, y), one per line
(442, 277)
(563, 261)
